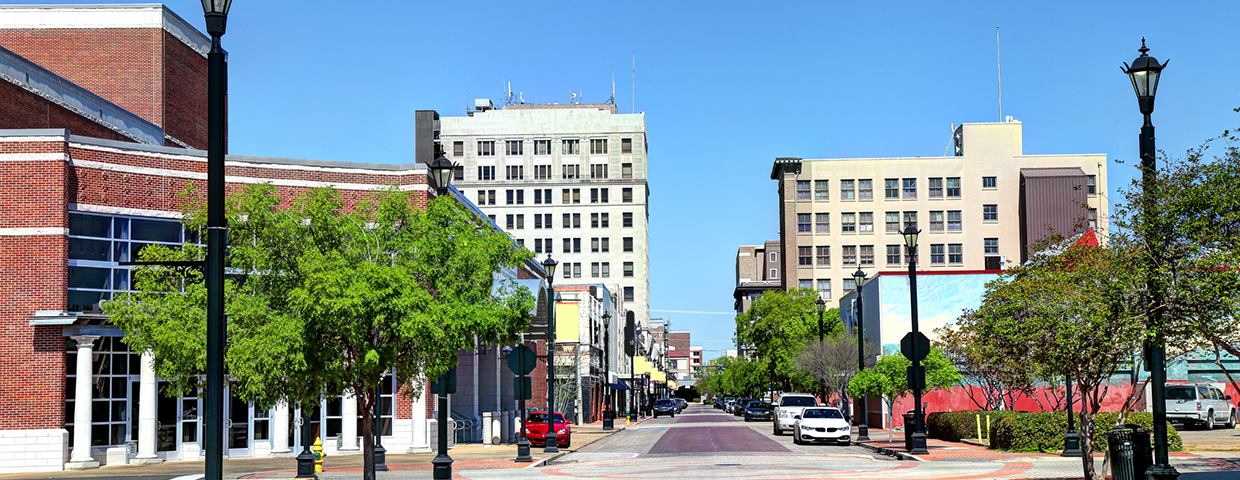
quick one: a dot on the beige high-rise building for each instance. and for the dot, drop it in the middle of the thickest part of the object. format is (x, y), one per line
(979, 209)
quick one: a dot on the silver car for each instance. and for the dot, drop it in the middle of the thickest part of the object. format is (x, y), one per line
(1200, 404)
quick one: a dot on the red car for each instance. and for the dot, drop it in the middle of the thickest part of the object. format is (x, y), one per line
(536, 429)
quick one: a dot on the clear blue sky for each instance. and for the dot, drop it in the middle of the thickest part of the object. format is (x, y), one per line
(727, 87)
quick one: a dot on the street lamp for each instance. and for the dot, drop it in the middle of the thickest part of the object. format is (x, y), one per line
(863, 429)
(216, 13)
(549, 266)
(441, 171)
(1144, 74)
(918, 375)
(608, 415)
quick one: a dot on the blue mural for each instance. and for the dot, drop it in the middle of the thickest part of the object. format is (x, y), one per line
(941, 298)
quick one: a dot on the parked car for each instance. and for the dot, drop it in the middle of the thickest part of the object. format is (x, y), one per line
(723, 403)
(820, 424)
(741, 405)
(536, 429)
(758, 410)
(791, 405)
(665, 407)
(683, 403)
(1200, 404)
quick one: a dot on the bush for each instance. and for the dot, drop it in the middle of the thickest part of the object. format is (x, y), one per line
(954, 426)
(1043, 431)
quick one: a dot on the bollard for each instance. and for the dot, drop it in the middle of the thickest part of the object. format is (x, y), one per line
(319, 456)
(988, 427)
(497, 428)
(978, 422)
(486, 428)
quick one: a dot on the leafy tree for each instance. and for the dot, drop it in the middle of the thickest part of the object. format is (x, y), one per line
(777, 326)
(832, 363)
(736, 377)
(889, 379)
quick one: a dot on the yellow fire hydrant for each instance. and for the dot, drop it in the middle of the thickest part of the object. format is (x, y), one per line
(318, 455)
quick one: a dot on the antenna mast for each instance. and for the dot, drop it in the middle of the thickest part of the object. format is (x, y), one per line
(999, 70)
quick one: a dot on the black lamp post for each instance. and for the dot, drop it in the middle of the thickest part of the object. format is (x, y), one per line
(1071, 440)
(608, 416)
(380, 453)
(863, 429)
(441, 172)
(919, 420)
(1144, 74)
(216, 12)
(549, 266)
(822, 307)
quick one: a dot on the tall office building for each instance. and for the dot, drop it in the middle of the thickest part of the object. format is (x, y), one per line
(562, 179)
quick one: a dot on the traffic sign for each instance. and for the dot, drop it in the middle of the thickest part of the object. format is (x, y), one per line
(923, 346)
(522, 388)
(521, 360)
(916, 378)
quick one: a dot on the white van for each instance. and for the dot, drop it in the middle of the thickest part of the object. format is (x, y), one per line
(791, 405)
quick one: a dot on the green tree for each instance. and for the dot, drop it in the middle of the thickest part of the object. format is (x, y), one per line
(777, 327)
(832, 363)
(889, 379)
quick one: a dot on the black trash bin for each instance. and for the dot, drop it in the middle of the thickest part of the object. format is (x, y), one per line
(1120, 448)
(1142, 449)
(909, 427)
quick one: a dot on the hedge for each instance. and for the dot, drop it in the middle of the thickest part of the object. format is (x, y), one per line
(1043, 431)
(954, 426)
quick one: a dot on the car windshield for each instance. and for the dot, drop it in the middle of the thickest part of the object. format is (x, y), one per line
(821, 413)
(663, 402)
(542, 418)
(759, 405)
(1180, 393)
(798, 402)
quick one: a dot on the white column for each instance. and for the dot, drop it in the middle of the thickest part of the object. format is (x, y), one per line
(279, 440)
(81, 458)
(146, 411)
(348, 422)
(421, 442)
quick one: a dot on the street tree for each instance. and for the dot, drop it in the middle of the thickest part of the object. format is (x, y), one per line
(777, 327)
(832, 363)
(888, 379)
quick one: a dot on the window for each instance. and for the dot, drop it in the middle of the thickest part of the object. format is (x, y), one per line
(606, 244)
(953, 187)
(805, 256)
(626, 170)
(538, 221)
(893, 254)
(910, 219)
(774, 257)
(482, 197)
(492, 217)
(626, 145)
(990, 213)
(515, 197)
(577, 246)
(910, 188)
(576, 270)
(805, 283)
(823, 223)
(935, 189)
(538, 196)
(824, 288)
(936, 254)
(849, 285)
(1091, 184)
(990, 182)
(821, 190)
(515, 172)
(628, 244)
(954, 223)
(538, 245)
(458, 149)
(866, 222)
(576, 220)
(1093, 219)
(847, 190)
(514, 148)
(803, 223)
(867, 255)
(774, 274)
(593, 220)
(542, 172)
(848, 222)
(511, 222)
(547, 245)
(824, 256)
(486, 149)
(936, 221)
(992, 246)
(490, 197)
(570, 171)
(955, 253)
(803, 190)
(628, 269)
(628, 294)
(486, 172)
(598, 146)
(566, 195)
(458, 173)
(568, 245)
(892, 187)
(594, 270)
(865, 189)
(546, 220)
(626, 195)
(598, 170)
(568, 221)
(593, 195)
(850, 255)
(520, 221)
(606, 269)
(594, 245)
(571, 147)
(542, 147)
(893, 222)
(627, 219)
(576, 195)
(603, 222)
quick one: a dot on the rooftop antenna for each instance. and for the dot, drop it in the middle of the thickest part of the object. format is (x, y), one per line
(951, 138)
(572, 97)
(468, 110)
(999, 70)
(612, 100)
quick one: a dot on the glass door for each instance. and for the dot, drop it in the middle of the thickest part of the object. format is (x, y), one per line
(238, 429)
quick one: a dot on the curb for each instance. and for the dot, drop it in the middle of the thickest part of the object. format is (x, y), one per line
(888, 452)
(553, 458)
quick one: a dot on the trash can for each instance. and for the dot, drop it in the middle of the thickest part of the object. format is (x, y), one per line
(1120, 448)
(1142, 449)
(909, 420)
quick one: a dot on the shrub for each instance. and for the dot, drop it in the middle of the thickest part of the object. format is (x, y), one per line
(1043, 431)
(954, 426)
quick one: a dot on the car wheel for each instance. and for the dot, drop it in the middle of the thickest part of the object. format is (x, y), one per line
(796, 438)
(568, 442)
(1210, 420)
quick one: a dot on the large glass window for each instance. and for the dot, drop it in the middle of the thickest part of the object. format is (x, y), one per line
(98, 242)
(803, 190)
(821, 190)
(114, 370)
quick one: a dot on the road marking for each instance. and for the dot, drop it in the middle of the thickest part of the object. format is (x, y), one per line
(189, 477)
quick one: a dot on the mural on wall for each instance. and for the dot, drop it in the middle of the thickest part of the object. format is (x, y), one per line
(940, 301)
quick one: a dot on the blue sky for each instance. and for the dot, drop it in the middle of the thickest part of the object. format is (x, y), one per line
(727, 87)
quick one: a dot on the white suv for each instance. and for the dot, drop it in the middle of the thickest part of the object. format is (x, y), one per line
(1201, 404)
(791, 405)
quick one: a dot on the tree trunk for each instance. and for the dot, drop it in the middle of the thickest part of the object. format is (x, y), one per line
(365, 398)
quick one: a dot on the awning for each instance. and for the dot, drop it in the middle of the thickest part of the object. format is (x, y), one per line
(620, 386)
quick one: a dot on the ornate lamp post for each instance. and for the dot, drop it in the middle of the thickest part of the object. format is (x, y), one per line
(608, 416)
(863, 429)
(1144, 74)
(549, 266)
(919, 419)
(441, 173)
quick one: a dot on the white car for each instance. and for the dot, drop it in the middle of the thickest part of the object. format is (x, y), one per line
(1202, 404)
(790, 405)
(820, 424)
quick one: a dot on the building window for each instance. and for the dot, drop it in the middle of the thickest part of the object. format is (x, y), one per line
(824, 256)
(910, 188)
(568, 245)
(850, 255)
(990, 182)
(865, 189)
(577, 245)
(458, 173)
(803, 190)
(538, 196)
(593, 195)
(538, 245)
(1093, 219)
(865, 222)
(593, 220)
(848, 222)
(538, 221)
(626, 195)
(486, 172)
(626, 170)
(823, 224)
(955, 253)
(849, 285)
(774, 274)
(936, 254)
(935, 189)
(805, 256)
(892, 187)
(824, 288)
(594, 270)
(515, 172)
(542, 172)
(598, 170)
(598, 146)
(848, 190)
(115, 366)
(520, 221)
(893, 254)
(547, 244)
(571, 147)
(821, 190)
(1091, 184)
(576, 195)
(542, 147)
(490, 197)
(511, 222)
(954, 222)
(953, 187)
(628, 244)
(568, 221)
(515, 148)
(594, 245)
(628, 219)
(774, 257)
(606, 247)
(628, 294)
(486, 149)
(805, 284)
(626, 145)
(867, 255)
(990, 213)
(628, 269)
(570, 171)
(893, 222)
(803, 223)
(606, 269)
(458, 149)
(910, 219)
(992, 246)
(936, 221)
(603, 222)
(492, 217)
(576, 220)
(603, 194)
(576, 270)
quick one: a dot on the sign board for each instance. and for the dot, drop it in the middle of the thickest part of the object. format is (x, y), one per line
(916, 378)
(922, 344)
(630, 332)
(522, 388)
(521, 360)
(446, 384)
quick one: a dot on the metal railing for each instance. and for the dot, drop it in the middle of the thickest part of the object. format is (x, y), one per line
(467, 428)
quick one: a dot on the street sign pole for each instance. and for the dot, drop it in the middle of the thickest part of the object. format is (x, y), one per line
(521, 362)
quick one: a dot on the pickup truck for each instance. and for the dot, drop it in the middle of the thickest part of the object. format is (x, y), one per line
(1200, 404)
